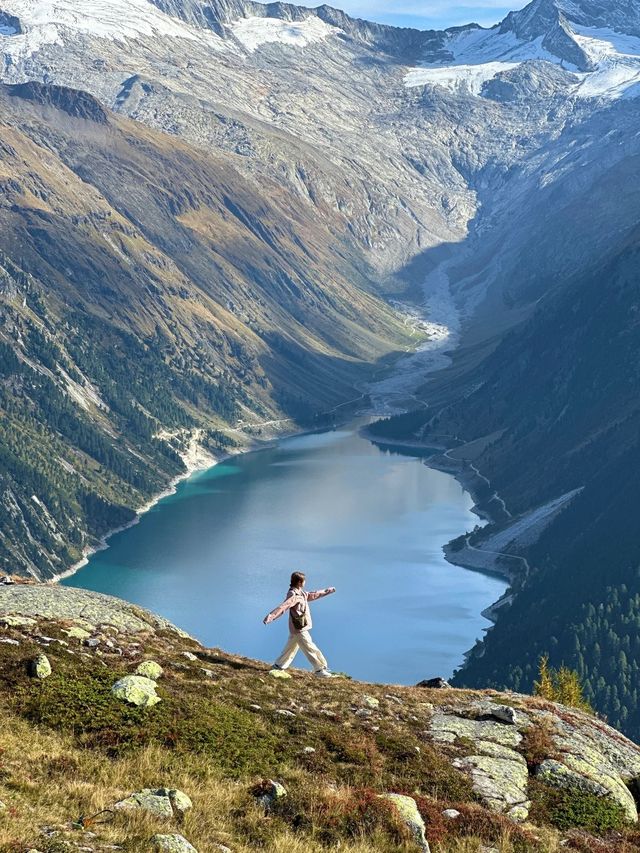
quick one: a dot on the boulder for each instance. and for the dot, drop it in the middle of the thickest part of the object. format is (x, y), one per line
(370, 702)
(149, 669)
(77, 633)
(408, 811)
(493, 711)
(40, 667)
(171, 844)
(504, 714)
(451, 814)
(189, 656)
(136, 690)
(434, 683)
(161, 802)
(363, 713)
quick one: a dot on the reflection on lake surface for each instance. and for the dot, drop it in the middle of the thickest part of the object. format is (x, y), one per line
(217, 555)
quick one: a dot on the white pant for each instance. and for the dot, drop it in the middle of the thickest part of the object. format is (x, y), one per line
(301, 640)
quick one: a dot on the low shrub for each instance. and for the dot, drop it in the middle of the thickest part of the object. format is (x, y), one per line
(567, 808)
(358, 814)
(79, 700)
(537, 744)
(474, 822)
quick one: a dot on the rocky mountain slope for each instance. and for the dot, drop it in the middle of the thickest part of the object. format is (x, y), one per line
(542, 421)
(119, 729)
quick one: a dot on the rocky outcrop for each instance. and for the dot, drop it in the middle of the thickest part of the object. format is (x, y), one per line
(19, 603)
(161, 802)
(585, 753)
(75, 103)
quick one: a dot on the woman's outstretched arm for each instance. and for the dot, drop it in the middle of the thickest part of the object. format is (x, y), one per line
(277, 612)
(320, 593)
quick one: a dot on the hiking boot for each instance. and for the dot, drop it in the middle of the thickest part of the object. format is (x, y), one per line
(324, 673)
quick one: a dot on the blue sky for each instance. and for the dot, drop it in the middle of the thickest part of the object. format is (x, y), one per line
(427, 14)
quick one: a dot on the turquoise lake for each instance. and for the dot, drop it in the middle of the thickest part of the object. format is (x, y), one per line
(217, 555)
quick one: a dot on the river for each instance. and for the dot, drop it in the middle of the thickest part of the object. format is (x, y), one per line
(216, 556)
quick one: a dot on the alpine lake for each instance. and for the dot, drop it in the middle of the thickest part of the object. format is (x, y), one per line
(216, 556)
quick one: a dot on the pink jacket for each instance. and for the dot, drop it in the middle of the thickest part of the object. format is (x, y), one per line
(298, 598)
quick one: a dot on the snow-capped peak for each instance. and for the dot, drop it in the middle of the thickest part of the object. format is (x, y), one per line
(604, 61)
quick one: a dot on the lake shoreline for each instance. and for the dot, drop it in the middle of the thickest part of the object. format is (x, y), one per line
(194, 468)
(471, 483)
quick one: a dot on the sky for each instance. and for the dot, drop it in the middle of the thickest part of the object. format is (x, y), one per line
(427, 14)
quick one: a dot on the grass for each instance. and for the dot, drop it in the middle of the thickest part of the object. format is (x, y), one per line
(69, 750)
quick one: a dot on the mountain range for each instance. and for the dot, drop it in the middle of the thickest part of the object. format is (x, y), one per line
(205, 209)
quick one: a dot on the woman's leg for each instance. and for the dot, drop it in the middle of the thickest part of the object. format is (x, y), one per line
(288, 653)
(313, 654)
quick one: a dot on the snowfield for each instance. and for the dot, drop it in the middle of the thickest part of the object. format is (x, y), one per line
(479, 56)
(617, 60)
(458, 78)
(44, 21)
(254, 32)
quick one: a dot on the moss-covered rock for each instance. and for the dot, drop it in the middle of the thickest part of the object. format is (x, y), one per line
(171, 844)
(136, 690)
(408, 810)
(279, 673)
(149, 669)
(161, 802)
(77, 633)
(40, 667)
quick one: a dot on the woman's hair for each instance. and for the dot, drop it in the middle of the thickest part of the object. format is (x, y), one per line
(297, 579)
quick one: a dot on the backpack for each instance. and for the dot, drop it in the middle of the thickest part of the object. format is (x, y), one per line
(300, 620)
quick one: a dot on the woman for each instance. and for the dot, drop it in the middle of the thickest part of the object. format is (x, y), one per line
(297, 603)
